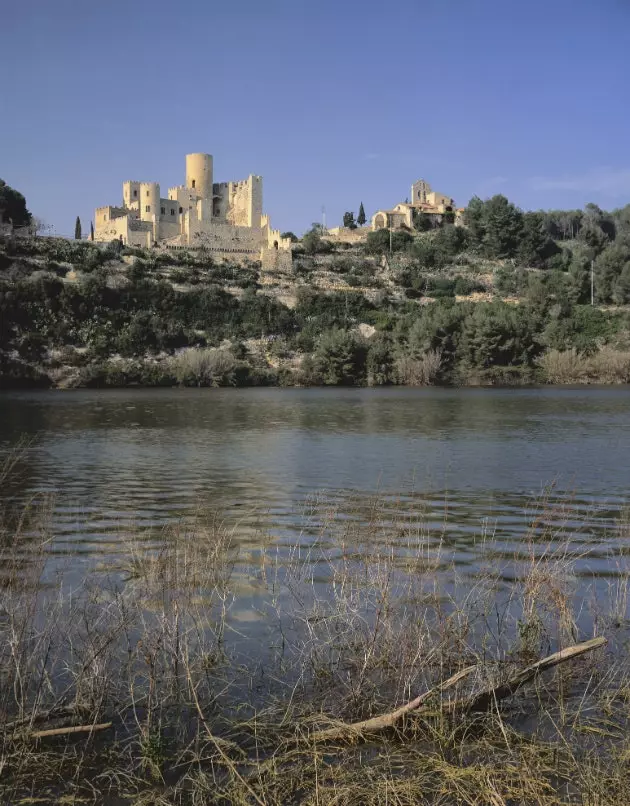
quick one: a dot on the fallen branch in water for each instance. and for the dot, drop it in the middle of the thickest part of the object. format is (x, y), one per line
(378, 723)
(484, 700)
(40, 734)
(45, 716)
(477, 702)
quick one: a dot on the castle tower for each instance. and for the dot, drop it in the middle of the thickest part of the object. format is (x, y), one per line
(150, 205)
(199, 174)
(255, 208)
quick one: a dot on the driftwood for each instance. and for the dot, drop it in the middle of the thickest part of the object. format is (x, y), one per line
(378, 723)
(40, 734)
(478, 702)
(485, 699)
(45, 716)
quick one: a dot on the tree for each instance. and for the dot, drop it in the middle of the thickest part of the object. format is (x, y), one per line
(423, 222)
(77, 229)
(92, 231)
(313, 242)
(497, 334)
(609, 268)
(474, 219)
(348, 221)
(380, 361)
(595, 229)
(361, 218)
(535, 247)
(293, 237)
(503, 225)
(340, 358)
(13, 208)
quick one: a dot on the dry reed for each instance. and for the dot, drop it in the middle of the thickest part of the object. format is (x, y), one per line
(359, 616)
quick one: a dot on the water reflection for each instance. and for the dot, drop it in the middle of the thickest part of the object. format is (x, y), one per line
(466, 466)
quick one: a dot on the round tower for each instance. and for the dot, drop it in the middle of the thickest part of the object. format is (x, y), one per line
(199, 174)
(149, 200)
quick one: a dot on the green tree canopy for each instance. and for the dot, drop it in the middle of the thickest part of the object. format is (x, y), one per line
(340, 358)
(503, 227)
(361, 218)
(348, 220)
(535, 246)
(13, 206)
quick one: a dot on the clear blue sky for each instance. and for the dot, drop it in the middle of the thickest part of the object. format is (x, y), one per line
(333, 103)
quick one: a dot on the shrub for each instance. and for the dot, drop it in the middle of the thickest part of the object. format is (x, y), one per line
(378, 243)
(340, 358)
(563, 366)
(203, 367)
(423, 371)
(439, 287)
(465, 285)
(609, 366)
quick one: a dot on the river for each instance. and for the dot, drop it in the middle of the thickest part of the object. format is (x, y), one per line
(471, 466)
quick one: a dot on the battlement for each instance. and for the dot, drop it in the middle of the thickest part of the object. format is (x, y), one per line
(224, 216)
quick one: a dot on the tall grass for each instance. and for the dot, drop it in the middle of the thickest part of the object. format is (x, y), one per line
(607, 365)
(423, 371)
(355, 618)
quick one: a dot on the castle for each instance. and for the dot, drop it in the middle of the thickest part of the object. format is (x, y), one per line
(423, 200)
(225, 218)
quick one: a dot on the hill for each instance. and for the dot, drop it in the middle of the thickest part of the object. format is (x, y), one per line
(504, 300)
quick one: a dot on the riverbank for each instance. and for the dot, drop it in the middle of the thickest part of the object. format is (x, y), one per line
(220, 368)
(74, 315)
(134, 685)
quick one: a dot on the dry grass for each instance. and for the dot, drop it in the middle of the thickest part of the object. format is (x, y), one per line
(422, 371)
(359, 616)
(607, 365)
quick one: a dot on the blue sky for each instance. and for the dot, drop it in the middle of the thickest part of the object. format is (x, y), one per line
(333, 103)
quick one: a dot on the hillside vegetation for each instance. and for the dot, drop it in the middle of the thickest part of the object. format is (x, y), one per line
(505, 299)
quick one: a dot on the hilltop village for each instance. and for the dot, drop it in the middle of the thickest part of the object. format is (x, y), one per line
(197, 288)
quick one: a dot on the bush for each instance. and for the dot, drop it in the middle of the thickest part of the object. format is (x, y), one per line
(340, 358)
(609, 366)
(566, 366)
(465, 285)
(378, 243)
(439, 287)
(203, 367)
(423, 371)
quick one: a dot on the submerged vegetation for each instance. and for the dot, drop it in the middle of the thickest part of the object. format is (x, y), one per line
(504, 299)
(143, 684)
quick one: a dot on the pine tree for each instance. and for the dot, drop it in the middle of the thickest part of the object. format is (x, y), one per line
(361, 218)
(77, 229)
(91, 231)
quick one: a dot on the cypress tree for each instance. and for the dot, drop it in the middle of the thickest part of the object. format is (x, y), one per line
(361, 218)
(91, 231)
(77, 229)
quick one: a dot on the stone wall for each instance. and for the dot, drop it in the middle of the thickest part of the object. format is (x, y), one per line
(347, 235)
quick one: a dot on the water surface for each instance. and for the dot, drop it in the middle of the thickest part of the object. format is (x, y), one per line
(470, 465)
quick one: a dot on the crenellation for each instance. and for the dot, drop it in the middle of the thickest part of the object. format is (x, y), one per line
(224, 216)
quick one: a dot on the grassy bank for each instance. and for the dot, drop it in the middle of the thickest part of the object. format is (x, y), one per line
(175, 705)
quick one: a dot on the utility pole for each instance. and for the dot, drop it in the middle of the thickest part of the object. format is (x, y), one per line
(592, 282)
